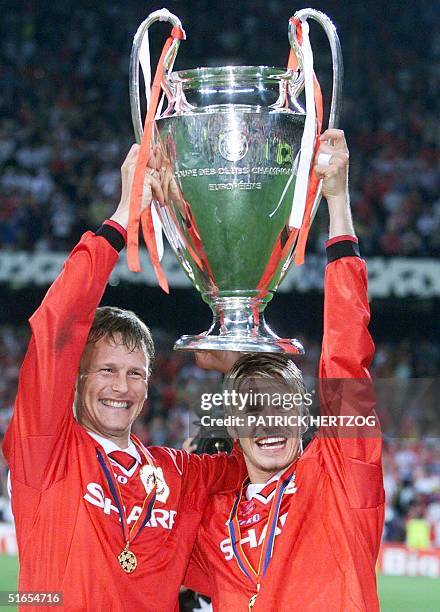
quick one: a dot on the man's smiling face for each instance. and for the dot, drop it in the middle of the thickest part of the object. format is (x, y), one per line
(268, 448)
(111, 389)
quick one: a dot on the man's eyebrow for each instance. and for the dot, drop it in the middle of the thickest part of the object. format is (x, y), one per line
(117, 365)
(112, 364)
(253, 407)
(107, 364)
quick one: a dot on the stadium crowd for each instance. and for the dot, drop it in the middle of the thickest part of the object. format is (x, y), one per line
(66, 126)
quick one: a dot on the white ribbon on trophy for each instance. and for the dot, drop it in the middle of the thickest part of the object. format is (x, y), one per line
(145, 62)
(308, 137)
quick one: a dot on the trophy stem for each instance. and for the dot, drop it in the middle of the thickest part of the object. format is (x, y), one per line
(239, 325)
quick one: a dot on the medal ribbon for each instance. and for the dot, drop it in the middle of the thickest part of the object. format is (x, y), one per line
(148, 502)
(255, 576)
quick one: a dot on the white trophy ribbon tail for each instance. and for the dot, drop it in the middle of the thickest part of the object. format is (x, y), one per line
(144, 60)
(158, 230)
(144, 53)
(308, 138)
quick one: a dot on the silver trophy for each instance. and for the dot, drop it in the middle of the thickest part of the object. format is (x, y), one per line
(228, 142)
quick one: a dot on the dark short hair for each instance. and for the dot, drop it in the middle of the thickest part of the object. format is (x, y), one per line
(269, 366)
(122, 325)
(275, 368)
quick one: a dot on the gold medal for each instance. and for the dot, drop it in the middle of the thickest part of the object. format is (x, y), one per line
(127, 561)
(257, 574)
(127, 558)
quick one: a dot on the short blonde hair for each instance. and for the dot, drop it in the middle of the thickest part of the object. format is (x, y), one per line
(122, 325)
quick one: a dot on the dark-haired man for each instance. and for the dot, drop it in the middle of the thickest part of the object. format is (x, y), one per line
(303, 531)
(104, 521)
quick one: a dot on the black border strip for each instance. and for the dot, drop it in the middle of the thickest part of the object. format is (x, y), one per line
(112, 236)
(344, 248)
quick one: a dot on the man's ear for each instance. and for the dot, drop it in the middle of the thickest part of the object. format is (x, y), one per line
(75, 400)
(76, 396)
(78, 382)
(233, 432)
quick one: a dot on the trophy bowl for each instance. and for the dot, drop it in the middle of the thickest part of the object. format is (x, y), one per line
(228, 147)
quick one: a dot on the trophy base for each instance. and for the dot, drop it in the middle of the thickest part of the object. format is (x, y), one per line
(258, 344)
(239, 325)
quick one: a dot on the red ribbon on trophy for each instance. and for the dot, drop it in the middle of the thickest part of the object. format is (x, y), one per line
(313, 179)
(146, 218)
(289, 235)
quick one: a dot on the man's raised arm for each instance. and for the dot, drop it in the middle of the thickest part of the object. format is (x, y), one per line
(60, 326)
(347, 347)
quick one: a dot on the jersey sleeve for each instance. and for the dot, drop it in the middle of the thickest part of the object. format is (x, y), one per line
(197, 573)
(35, 444)
(352, 453)
(347, 347)
(216, 473)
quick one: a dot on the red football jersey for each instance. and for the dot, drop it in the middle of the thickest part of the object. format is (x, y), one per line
(67, 523)
(330, 522)
(253, 514)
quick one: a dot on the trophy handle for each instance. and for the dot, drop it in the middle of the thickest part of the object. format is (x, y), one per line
(142, 31)
(338, 71)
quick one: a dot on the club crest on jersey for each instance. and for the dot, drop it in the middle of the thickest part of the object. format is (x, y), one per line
(149, 476)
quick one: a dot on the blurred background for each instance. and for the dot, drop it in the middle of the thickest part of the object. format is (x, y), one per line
(65, 128)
